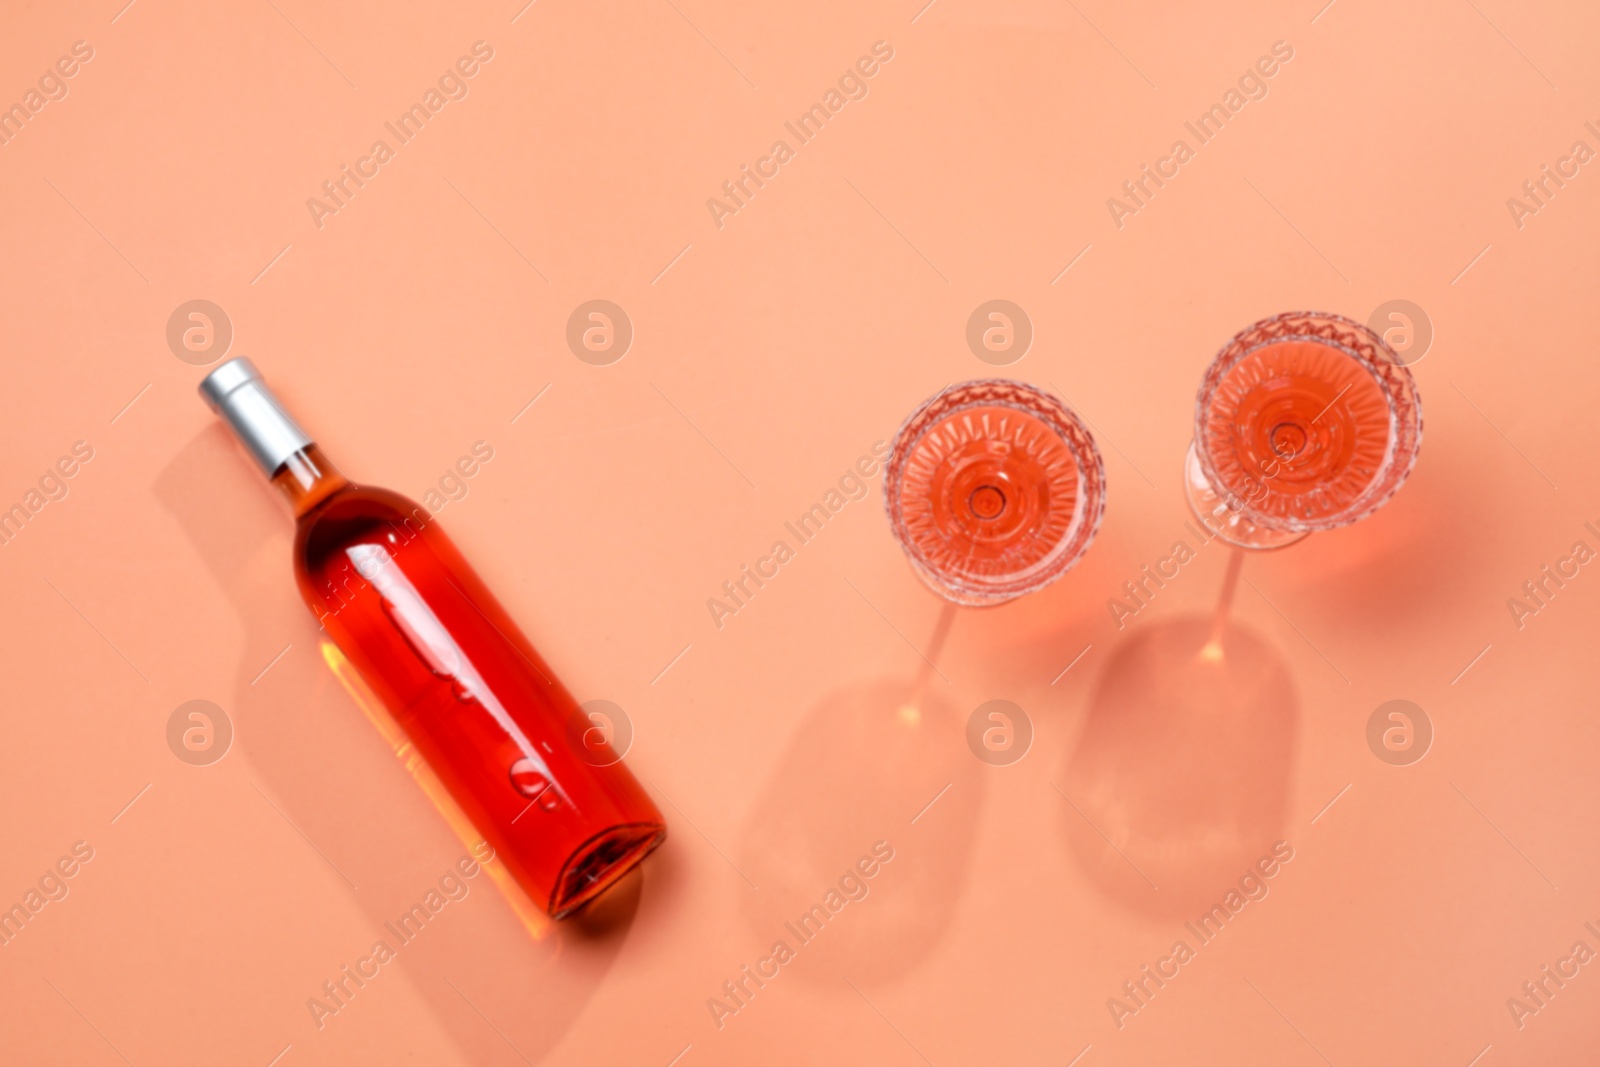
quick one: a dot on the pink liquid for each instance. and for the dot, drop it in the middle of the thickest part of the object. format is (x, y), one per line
(994, 489)
(989, 492)
(1298, 430)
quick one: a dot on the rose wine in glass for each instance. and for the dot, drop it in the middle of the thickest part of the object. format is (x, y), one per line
(994, 488)
(478, 702)
(1304, 421)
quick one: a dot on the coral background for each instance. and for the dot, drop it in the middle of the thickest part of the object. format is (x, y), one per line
(767, 355)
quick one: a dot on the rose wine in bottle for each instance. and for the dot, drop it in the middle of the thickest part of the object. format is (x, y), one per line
(501, 732)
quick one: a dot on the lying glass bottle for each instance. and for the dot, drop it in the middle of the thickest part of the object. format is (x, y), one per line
(505, 737)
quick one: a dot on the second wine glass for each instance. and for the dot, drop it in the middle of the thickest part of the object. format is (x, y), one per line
(1305, 421)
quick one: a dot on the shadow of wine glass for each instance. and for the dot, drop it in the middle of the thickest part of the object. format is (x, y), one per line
(305, 723)
(1180, 778)
(863, 768)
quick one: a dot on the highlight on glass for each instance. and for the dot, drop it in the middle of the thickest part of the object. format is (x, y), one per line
(444, 657)
(1304, 421)
(994, 488)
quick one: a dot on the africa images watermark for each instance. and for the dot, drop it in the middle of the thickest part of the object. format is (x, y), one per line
(852, 85)
(1252, 85)
(1537, 592)
(1152, 578)
(452, 85)
(852, 485)
(339, 991)
(1538, 192)
(1540, 990)
(1252, 887)
(852, 887)
(1142, 589)
(452, 484)
(52, 886)
(52, 487)
(50, 88)
(369, 564)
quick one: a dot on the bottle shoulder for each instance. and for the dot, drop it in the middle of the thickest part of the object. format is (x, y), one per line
(355, 512)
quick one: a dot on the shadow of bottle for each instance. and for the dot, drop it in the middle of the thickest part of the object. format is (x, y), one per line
(1179, 781)
(303, 726)
(862, 768)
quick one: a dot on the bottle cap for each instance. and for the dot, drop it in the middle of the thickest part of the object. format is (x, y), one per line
(237, 392)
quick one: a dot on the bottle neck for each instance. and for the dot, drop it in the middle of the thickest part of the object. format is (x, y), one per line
(307, 479)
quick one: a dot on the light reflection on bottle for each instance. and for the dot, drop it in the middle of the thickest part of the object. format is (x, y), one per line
(434, 645)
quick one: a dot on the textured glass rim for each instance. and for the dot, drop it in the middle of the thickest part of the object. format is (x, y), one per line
(1380, 361)
(1088, 510)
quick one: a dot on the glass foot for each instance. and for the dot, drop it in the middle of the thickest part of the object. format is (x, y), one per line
(1225, 515)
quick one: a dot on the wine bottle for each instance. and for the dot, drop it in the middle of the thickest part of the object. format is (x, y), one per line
(513, 747)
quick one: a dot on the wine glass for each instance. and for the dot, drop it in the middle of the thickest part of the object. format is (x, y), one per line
(1304, 421)
(994, 488)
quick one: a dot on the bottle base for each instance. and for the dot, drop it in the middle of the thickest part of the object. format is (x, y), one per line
(601, 862)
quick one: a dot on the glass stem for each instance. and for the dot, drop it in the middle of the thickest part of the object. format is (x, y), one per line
(1219, 619)
(941, 630)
